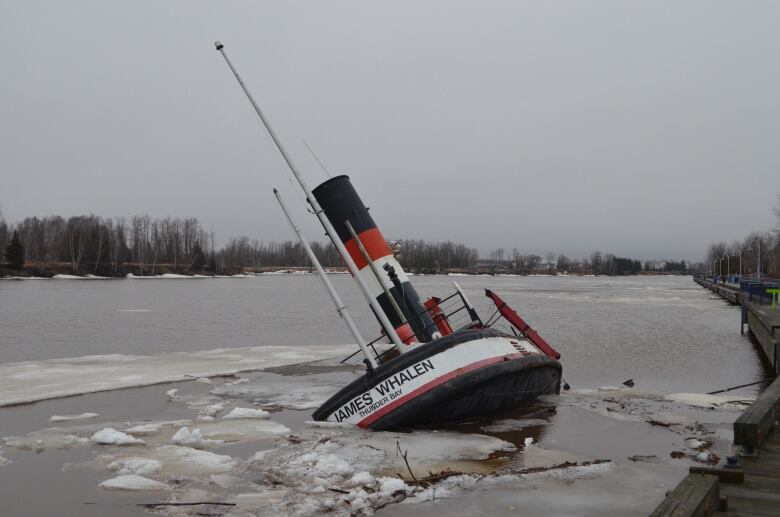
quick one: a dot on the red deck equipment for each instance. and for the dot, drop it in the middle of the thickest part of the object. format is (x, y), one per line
(520, 324)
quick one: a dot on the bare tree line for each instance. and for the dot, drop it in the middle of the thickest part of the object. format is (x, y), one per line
(92, 244)
(143, 245)
(757, 249)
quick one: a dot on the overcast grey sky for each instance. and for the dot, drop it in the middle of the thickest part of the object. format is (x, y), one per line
(647, 129)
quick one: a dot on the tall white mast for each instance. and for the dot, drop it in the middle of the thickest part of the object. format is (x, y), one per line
(340, 307)
(331, 232)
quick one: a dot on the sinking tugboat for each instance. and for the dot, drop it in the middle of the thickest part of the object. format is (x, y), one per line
(443, 363)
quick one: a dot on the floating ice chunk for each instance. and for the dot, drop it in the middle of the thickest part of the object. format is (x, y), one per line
(208, 413)
(64, 418)
(3, 460)
(172, 394)
(133, 482)
(188, 461)
(361, 478)
(389, 486)
(693, 443)
(528, 441)
(704, 456)
(110, 436)
(204, 380)
(145, 429)
(186, 437)
(240, 412)
(135, 465)
(332, 465)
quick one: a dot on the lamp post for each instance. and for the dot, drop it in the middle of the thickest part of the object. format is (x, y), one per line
(728, 263)
(758, 258)
(740, 264)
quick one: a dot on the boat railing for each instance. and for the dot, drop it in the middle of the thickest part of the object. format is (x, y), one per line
(448, 314)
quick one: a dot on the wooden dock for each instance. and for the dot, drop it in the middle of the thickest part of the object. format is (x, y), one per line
(753, 487)
(759, 493)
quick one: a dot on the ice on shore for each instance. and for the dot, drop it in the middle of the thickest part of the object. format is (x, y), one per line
(110, 436)
(65, 418)
(31, 381)
(133, 482)
(241, 412)
(360, 466)
(711, 401)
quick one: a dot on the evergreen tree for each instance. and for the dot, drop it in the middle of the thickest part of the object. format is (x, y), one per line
(198, 257)
(14, 252)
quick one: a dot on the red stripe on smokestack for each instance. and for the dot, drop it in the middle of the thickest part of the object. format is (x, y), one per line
(375, 245)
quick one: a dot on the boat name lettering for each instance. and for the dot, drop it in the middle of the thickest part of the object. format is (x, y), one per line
(354, 406)
(399, 379)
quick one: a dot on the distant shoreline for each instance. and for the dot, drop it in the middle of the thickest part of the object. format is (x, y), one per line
(63, 272)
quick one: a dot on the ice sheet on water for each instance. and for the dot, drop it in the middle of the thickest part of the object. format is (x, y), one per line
(133, 482)
(282, 391)
(52, 438)
(31, 381)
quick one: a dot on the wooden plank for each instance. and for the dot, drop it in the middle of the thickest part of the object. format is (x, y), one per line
(697, 495)
(753, 425)
(725, 475)
(769, 495)
(741, 506)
